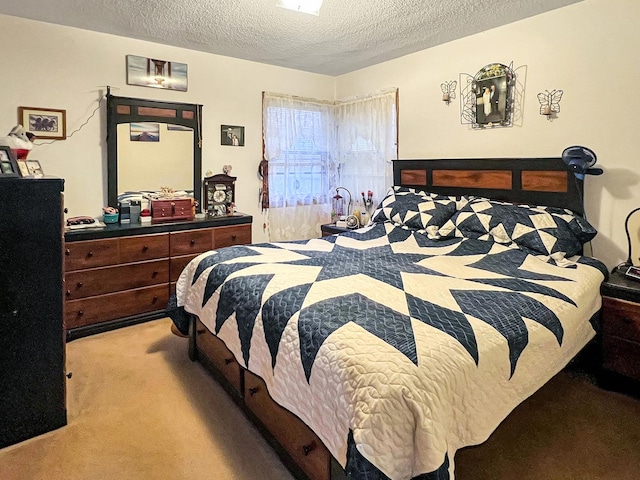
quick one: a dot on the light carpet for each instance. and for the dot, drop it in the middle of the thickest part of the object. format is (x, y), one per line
(138, 408)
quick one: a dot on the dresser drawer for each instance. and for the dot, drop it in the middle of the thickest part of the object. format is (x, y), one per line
(191, 241)
(621, 319)
(232, 235)
(178, 264)
(91, 253)
(294, 436)
(97, 281)
(218, 353)
(144, 247)
(88, 311)
(621, 356)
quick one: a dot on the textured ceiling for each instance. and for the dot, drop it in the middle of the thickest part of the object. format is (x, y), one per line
(346, 36)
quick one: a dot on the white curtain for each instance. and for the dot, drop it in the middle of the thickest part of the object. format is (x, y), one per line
(367, 142)
(299, 141)
(315, 146)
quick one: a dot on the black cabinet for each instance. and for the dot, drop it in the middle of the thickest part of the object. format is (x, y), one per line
(32, 347)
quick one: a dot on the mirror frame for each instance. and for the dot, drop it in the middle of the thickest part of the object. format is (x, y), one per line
(127, 110)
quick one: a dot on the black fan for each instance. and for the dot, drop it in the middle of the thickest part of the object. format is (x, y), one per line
(580, 161)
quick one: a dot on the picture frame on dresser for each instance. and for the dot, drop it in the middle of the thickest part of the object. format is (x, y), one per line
(34, 168)
(23, 168)
(8, 163)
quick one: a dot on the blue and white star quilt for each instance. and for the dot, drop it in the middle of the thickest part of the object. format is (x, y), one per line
(396, 349)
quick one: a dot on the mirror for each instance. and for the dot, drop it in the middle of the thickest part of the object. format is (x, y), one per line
(152, 144)
(493, 89)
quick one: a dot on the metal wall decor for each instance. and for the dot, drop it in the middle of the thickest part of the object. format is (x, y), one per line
(487, 98)
(550, 103)
(448, 91)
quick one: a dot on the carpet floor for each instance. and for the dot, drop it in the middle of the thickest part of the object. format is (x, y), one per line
(139, 409)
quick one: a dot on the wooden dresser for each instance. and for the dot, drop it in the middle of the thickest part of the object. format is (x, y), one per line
(124, 274)
(32, 347)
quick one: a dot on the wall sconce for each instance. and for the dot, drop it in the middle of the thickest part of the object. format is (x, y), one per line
(448, 91)
(550, 103)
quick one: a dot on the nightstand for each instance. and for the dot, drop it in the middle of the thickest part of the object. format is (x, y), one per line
(331, 229)
(621, 327)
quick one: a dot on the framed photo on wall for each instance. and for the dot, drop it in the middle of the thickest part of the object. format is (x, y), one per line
(151, 72)
(232, 135)
(44, 123)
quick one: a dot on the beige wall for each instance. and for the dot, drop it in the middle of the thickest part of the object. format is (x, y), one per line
(51, 66)
(588, 49)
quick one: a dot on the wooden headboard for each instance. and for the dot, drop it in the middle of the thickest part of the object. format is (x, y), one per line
(534, 181)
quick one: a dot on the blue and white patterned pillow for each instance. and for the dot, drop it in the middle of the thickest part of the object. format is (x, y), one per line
(555, 232)
(414, 209)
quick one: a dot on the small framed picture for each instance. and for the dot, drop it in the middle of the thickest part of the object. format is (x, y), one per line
(8, 163)
(44, 123)
(34, 167)
(22, 167)
(232, 135)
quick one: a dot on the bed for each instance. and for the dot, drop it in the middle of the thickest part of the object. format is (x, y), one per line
(380, 352)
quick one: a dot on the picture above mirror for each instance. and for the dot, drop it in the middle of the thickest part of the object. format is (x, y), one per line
(153, 144)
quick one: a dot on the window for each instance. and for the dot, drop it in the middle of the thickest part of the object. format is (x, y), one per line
(314, 146)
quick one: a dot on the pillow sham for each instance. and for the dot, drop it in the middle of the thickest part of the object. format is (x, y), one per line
(556, 232)
(414, 209)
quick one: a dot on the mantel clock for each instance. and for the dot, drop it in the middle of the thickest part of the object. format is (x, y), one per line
(219, 194)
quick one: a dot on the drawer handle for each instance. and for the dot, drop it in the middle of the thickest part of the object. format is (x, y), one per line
(201, 331)
(193, 241)
(154, 273)
(307, 449)
(79, 284)
(233, 237)
(69, 375)
(155, 299)
(90, 254)
(67, 252)
(227, 361)
(68, 294)
(253, 391)
(627, 320)
(145, 248)
(80, 313)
